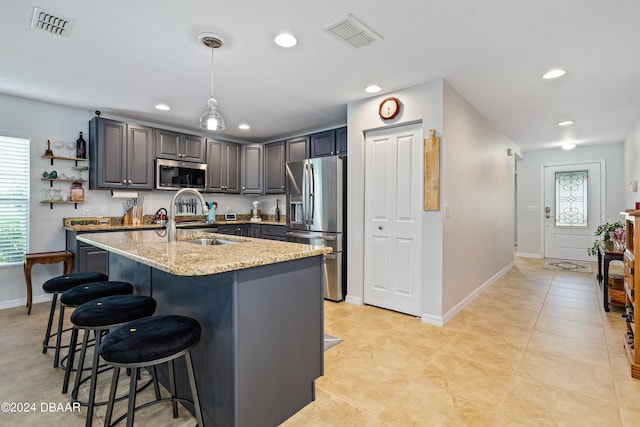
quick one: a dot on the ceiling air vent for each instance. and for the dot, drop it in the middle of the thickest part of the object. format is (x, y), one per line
(353, 32)
(51, 22)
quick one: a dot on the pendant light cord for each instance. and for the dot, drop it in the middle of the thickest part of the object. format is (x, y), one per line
(212, 72)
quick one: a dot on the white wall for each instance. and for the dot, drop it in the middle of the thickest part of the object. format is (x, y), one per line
(631, 166)
(40, 122)
(530, 224)
(479, 194)
(475, 172)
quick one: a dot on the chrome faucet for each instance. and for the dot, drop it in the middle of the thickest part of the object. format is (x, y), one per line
(171, 225)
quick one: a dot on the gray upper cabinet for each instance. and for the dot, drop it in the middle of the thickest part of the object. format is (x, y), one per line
(274, 161)
(179, 146)
(323, 143)
(341, 141)
(297, 149)
(252, 169)
(223, 160)
(120, 155)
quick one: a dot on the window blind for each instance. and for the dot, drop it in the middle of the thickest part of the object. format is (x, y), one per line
(14, 200)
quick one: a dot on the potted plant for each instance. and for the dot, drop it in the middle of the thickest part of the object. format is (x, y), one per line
(604, 230)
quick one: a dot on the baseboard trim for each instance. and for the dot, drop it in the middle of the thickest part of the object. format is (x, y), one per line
(526, 255)
(353, 300)
(441, 321)
(22, 302)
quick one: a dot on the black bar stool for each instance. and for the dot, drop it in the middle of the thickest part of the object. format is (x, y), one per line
(147, 342)
(100, 315)
(56, 286)
(78, 295)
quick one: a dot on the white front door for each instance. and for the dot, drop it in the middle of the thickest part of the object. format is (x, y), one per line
(393, 206)
(573, 209)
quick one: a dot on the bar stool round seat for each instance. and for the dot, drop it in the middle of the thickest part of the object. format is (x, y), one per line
(101, 315)
(56, 286)
(148, 342)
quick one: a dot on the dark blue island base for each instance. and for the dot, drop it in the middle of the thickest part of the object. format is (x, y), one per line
(262, 335)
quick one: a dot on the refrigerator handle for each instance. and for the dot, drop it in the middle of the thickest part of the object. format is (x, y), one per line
(305, 193)
(312, 190)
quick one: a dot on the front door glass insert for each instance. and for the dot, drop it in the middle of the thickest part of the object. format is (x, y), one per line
(571, 199)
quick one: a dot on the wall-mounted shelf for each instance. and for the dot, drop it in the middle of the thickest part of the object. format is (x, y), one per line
(62, 202)
(62, 180)
(75, 159)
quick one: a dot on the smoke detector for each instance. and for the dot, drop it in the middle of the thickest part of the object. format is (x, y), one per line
(51, 22)
(353, 32)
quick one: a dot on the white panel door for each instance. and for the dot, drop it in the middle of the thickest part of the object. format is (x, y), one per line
(393, 206)
(573, 209)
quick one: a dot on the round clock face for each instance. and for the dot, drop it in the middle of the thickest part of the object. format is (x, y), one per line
(389, 108)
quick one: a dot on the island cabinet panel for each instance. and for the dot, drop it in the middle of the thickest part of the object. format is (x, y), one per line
(261, 347)
(86, 258)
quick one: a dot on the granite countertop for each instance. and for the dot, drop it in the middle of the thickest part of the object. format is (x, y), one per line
(150, 247)
(148, 226)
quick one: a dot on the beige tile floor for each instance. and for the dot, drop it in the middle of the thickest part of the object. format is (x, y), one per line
(535, 349)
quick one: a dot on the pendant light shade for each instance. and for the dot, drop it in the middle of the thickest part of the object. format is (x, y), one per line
(211, 119)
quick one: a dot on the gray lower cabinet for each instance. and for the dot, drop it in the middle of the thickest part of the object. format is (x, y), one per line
(254, 230)
(252, 169)
(120, 155)
(273, 232)
(179, 146)
(87, 258)
(223, 160)
(234, 229)
(297, 149)
(274, 170)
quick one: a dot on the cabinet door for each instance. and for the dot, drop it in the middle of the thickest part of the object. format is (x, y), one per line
(216, 167)
(297, 149)
(107, 154)
(139, 157)
(252, 169)
(273, 232)
(167, 144)
(274, 168)
(323, 143)
(193, 148)
(232, 175)
(243, 230)
(254, 231)
(92, 259)
(341, 141)
(226, 229)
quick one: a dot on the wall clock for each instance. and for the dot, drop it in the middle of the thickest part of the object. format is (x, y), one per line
(389, 108)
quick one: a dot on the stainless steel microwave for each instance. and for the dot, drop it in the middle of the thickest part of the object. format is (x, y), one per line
(176, 174)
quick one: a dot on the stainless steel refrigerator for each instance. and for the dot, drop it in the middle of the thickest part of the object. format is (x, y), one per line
(316, 207)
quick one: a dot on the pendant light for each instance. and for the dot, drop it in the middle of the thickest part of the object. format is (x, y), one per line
(211, 119)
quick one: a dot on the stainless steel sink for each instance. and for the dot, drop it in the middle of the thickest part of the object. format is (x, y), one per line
(211, 241)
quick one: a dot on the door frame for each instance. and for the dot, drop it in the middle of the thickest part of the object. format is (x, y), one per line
(603, 194)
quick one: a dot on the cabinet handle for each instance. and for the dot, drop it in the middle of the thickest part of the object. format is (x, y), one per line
(124, 181)
(129, 182)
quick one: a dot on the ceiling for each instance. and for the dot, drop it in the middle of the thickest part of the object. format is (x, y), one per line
(122, 57)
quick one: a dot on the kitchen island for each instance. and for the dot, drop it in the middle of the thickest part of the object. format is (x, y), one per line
(260, 305)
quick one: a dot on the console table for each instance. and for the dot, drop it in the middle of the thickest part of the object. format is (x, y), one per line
(607, 252)
(44, 258)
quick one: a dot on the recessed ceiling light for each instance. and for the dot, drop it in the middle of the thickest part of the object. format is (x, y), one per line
(163, 107)
(569, 146)
(244, 126)
(285, 40)
(565, 123)
(554, 74)
(372, 89)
